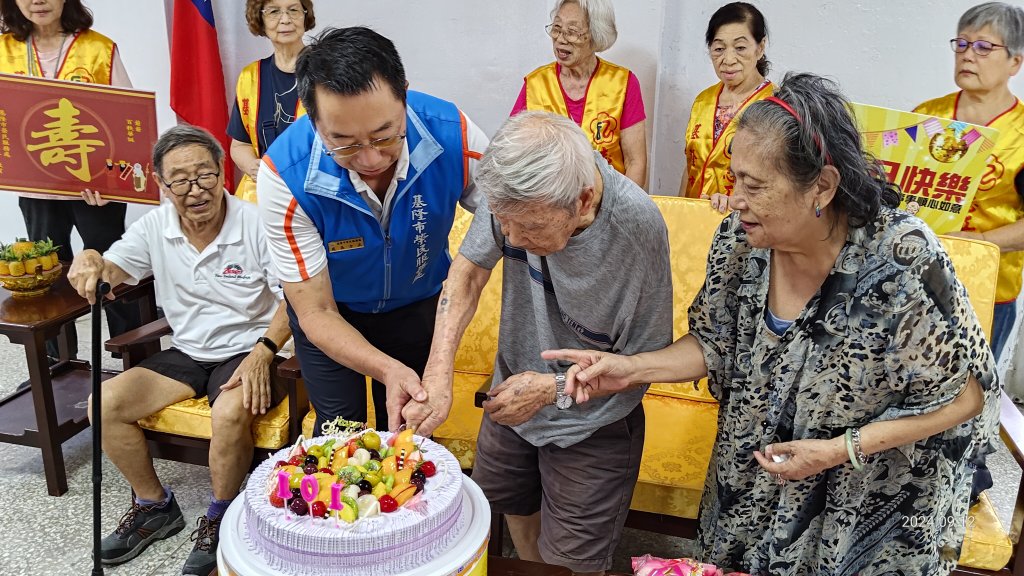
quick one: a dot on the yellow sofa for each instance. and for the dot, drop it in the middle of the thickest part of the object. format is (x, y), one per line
(676, 458)
(182, 431)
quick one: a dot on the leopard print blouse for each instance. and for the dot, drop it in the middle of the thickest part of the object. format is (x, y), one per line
(890, 334)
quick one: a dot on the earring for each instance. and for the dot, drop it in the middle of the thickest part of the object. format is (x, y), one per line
(817, 210)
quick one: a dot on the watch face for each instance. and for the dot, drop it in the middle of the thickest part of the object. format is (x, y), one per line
(564, 401)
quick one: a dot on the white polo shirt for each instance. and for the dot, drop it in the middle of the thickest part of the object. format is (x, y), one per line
(219, 301)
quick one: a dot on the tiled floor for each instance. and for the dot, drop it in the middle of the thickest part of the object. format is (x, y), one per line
(53, 536)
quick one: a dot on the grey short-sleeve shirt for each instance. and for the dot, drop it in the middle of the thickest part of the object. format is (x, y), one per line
(610, 289)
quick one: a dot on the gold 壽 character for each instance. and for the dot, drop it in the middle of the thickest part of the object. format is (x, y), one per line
(63, 141)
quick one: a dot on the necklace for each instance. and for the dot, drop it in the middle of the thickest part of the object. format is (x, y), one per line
(33, 63)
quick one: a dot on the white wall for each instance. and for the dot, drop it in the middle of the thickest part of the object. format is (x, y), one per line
(475, 53)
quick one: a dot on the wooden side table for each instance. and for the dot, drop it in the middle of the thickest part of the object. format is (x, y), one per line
(54, 407)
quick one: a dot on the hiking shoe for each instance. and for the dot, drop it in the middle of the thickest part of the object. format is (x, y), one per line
(203, 559)
(139, 527)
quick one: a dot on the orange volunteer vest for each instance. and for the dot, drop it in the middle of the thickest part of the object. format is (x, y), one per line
(602, 112)
(89, 58)
(707, 157)
(247, 92)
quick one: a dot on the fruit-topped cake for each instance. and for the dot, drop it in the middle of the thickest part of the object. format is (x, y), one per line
(362, 501)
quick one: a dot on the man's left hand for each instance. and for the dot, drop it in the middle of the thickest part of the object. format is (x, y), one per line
(518, 398)
(804, 458)
(253, 375)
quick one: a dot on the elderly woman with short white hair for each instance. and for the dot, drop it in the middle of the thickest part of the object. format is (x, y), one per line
(602, 98)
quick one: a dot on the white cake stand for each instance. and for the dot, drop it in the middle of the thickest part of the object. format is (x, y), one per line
(466, 557)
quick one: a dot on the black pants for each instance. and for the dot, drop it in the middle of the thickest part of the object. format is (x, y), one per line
(99, 227)
(404, 334)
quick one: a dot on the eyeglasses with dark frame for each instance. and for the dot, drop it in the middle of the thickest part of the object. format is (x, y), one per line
(571, 35)
(275, 14)
(353, 149)
(182, 187)
(981, 47)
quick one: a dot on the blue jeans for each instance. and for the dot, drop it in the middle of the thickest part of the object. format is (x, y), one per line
(1003, 319)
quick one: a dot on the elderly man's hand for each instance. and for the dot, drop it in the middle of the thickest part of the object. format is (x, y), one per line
(253, 375)
(87, 269)
(594, 374)
(518, 398)
(425, 417)
(803, 458)
(403, 385)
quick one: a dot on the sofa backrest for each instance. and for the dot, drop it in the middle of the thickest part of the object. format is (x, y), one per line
(691, 227)
(479, 343)
(977, 266)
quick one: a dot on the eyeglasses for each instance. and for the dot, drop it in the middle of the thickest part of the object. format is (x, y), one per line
(981, 47)
(182, 187)
(275, 14)
(571, 35)
(352, 150)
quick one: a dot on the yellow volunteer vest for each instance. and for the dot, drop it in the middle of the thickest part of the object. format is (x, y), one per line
(89, 58)
(602, 113)
(707, 157)
(247, 93)
(997, 203)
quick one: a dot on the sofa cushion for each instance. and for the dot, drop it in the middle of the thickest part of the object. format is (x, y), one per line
(680, 434)
(986, 545)
(192, 418)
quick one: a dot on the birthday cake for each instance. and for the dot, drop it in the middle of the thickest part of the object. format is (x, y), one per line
(369, 503)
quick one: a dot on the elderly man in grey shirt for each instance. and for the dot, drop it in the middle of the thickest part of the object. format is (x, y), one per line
(586, 265)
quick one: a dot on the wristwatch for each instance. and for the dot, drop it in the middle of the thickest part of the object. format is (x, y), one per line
(270, 344)
(562, 400)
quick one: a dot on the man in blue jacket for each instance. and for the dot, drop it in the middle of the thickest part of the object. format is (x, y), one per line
(358, 198)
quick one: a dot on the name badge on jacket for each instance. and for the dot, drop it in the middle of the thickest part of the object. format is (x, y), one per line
(346, 244)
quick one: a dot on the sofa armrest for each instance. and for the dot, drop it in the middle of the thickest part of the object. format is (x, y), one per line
(1011, 428)
(142, 335)
(290, 369)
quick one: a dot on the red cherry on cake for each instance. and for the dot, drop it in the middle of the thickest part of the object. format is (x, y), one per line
(318, 509)
(327, 471)
(387, 503)
(280, 463)
(296, 460)
(428, 468)
(276, 501)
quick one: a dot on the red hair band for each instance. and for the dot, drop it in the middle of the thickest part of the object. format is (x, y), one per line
(792, 112)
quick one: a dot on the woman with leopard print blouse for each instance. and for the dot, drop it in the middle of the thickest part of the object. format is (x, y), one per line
(853, 376)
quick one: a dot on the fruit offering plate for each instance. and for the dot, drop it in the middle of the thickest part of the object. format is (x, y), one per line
(393, 525)
(28, 268)
(31, 284)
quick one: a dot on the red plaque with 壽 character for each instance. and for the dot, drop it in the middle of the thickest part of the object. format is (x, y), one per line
(61, 137)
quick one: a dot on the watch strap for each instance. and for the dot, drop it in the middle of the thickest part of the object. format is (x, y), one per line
(270, 344)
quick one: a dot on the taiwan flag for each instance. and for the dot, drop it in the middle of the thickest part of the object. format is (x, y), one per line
(197, 77)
